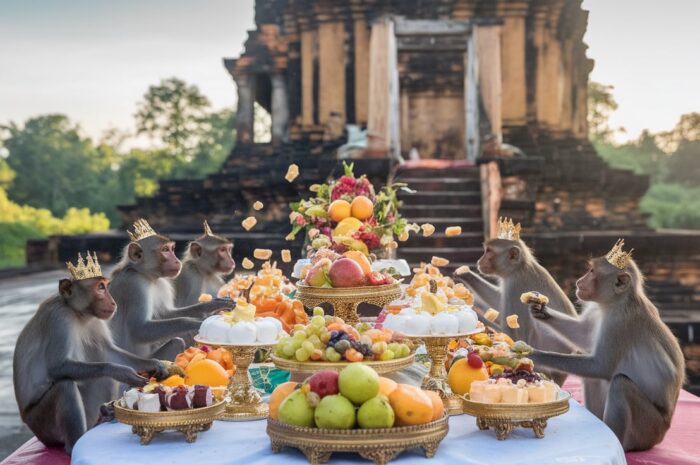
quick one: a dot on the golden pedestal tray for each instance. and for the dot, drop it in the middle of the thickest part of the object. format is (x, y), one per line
(243, 401)
(346, 299)
(504, 417)
(381, 367)
(189, 422)
(436, 379)
(378, 445)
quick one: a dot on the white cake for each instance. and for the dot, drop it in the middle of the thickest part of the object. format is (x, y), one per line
(454, 319)
(240, 327)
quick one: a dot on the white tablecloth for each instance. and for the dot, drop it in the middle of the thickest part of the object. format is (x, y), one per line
(576, 437)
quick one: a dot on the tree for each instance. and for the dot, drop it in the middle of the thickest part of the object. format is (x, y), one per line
(686, 129)
(173, 112)
(601, 104)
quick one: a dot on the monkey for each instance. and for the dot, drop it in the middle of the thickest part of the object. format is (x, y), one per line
(633, 369)
(65, 364)
(148, 324)
(205, 263)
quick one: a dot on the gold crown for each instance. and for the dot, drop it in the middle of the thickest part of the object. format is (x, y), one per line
(142, 230)
(87, 269)
(617, 257)
(507, 230)
(210, 233)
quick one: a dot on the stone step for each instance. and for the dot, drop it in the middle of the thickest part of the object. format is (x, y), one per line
(439, 239)
(474, 223)
(441, 198)
(424, 254)
(441, 184)
(440, 211)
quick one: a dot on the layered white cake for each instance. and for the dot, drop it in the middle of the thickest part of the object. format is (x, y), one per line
(432, 314)
(240, 326)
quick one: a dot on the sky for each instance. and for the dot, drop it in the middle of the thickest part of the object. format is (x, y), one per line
(94, 59)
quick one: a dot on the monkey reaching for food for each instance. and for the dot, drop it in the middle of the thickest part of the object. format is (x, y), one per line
(65, 363)
(206, 262)
(147, 323)
(634, 369)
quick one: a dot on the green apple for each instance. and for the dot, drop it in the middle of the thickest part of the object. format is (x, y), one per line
(335, 412)
(376, 413)
(296, 410)
(358, 382)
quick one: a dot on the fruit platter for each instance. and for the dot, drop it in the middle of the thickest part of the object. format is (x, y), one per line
(157, 407)
(328, 342)
(500, 387)
(357, 411)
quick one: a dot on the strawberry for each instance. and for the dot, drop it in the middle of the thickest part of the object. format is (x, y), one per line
(474, 361)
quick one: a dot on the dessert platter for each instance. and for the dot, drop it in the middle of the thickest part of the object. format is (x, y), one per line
(356, 411)
(242, 334)
(328, 342)
(158, 407)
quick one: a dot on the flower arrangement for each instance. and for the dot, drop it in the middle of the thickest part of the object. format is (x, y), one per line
(348, 214)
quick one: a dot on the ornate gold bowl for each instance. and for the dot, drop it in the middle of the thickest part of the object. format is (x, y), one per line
(436, 379)
(189, 422)
(378, 445)
(243, 401)
(381, 367)
(504, 417)
(346, 299)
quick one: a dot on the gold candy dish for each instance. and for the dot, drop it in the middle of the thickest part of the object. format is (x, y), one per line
(346, 299)
(381, 367)
(190, 422)
(243, 401)
(378, 445)
(504, 417)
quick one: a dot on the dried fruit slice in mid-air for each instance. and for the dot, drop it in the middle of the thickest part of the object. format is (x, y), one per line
(439, 261)
(428, 229)
(403, 236)
(453, 231)
(512, 321)
(262, 254)
(491, 314)
(286, 256)
(247, 264)
(292, 173)
(464, 269)
(249, 222)
(258, 205)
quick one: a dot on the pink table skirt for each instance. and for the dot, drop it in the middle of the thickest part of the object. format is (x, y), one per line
(680, 447)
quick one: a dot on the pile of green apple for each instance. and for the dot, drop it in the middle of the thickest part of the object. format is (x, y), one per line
(333, 400)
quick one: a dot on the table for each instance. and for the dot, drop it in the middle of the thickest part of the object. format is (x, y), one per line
(576, 437)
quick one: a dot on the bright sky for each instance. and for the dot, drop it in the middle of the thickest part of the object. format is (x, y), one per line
(94, 59)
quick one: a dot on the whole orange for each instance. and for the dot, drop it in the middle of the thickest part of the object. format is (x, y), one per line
(387, 386)
(206, 372)
(438, 405)
(461, 376)
(411, 405)
(278, 395)
(361, 208)
(338, 210)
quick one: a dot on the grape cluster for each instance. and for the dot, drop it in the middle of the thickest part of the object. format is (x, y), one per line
(516, 376)
(337, 336)
(364, 349)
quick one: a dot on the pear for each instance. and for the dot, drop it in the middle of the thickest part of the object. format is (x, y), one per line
(376, 413)
(296, 410)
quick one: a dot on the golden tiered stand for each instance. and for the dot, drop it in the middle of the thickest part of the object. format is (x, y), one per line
(346, 299)
(436, 379)
(243, 401)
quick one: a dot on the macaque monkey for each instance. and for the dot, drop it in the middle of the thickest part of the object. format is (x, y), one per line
(205, 264)
(65, 363)
(633, 369)
(147, 323)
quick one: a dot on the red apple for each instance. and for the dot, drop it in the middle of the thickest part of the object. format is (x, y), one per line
(345, 272)
(324, 383)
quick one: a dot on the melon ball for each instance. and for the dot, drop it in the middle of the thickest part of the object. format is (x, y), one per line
(242, 332)
(467, 319)
(444, 323)
(266, 331)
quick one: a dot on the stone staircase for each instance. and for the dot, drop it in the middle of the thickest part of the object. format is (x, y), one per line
(448, 194)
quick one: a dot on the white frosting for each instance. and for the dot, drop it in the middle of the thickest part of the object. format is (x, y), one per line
(444, 323)
(217, 329)
(457, 321)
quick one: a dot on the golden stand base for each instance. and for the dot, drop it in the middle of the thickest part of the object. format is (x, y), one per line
(346, 299)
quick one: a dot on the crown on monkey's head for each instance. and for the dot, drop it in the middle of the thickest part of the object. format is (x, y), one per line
(507, 230)
(617, 257)
(89, 268)
(208, 233)
(142, 230)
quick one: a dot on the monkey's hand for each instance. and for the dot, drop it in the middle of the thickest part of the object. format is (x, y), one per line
(128, 375)
(164, 369)
(539, 310)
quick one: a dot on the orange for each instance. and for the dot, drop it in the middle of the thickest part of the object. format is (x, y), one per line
(461, 376)
(206, 372)
(387, 386)
(438, 405)
(361, 260)
(411, 405)
(361, 208)
(278, 395)
(339, 210)
(174, 380)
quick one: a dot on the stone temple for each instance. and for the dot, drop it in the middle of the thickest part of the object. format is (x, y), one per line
(480, 105)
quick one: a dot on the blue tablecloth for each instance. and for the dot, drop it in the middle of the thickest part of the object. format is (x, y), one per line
(576, 437)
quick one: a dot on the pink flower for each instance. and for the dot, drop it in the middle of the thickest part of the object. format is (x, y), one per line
(300, 220)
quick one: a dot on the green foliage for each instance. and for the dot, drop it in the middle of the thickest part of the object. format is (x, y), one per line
(13, 237)
(601, 104)
(672, 206)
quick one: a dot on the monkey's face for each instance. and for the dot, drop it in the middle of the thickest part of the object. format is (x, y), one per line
(500, 258)
(168, 263)
(89, 296)
(224, 260)
(586, 285)
(485, 264)
(103, 305)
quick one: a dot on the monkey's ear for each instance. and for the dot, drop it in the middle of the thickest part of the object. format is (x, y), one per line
(514, 253)
(195, 250)
(135, 252)
(622, 283)
(65, 287)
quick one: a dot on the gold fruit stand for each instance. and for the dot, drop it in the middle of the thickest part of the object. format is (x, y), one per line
(346, 299)
(243, 401)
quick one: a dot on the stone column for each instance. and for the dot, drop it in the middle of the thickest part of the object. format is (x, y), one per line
(361, 32)
(244, 111)
(280, 108)
(331, 52)
(513, 80)
(308, 50)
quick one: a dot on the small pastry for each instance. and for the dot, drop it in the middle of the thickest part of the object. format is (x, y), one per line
(512, 321)
(491, 314)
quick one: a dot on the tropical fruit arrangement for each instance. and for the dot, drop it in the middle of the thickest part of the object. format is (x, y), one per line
(157, 397)
(349, 269)
(355, 397)
(349, 214)
(329, 339)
